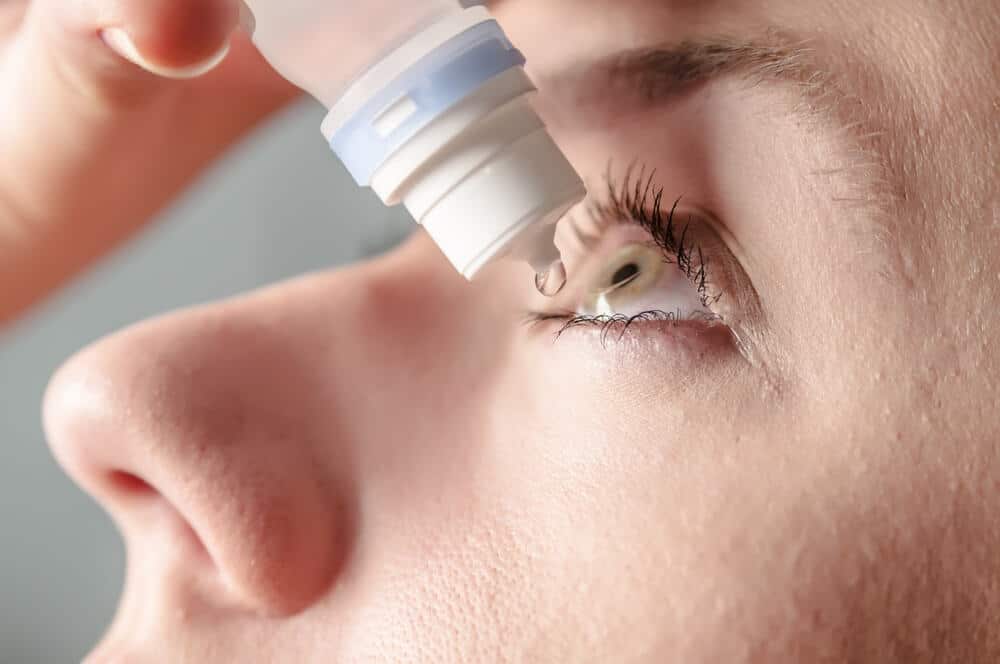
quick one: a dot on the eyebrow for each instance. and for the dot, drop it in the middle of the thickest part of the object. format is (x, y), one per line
(662, 72)
(659, 74)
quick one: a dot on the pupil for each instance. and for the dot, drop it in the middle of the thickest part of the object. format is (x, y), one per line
(626, 274)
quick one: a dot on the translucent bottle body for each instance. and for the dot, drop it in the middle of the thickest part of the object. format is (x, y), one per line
(323, 46)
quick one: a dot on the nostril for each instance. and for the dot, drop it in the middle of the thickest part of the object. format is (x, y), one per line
(156, 512)
(130, 485)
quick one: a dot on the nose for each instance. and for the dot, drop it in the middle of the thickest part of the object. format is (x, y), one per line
(207, 420)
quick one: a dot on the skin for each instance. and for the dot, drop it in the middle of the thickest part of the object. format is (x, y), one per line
(78, 109)
(383, 464)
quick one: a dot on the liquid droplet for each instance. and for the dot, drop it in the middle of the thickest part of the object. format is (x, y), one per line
(551, 282)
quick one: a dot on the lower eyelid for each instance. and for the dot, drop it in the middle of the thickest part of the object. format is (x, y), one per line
(683, 346)
(622, 324)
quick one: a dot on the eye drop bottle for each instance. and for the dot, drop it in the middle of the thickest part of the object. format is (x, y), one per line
(429, 106)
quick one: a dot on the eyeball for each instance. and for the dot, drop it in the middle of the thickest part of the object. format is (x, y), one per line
(637, 279)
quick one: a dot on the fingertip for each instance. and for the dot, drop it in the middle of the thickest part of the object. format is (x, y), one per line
(173, 38)
(119, 41)
(181, 33)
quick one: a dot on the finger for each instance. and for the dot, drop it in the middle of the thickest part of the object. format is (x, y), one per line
(168, 38)
(82, 73)
(97, 134)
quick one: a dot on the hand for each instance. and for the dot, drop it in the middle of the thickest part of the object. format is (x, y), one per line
(93, 144)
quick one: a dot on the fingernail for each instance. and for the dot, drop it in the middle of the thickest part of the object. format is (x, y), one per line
(121, 43)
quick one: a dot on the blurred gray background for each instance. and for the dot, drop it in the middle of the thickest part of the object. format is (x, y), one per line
(275, 207)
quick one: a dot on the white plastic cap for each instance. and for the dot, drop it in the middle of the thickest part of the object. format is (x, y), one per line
(486, 179)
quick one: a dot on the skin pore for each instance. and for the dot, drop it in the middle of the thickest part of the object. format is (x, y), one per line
(387, 464)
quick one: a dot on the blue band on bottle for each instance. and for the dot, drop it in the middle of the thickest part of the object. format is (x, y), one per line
(433, 85)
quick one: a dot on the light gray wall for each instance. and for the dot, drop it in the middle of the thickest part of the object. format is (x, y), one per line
(278, 206)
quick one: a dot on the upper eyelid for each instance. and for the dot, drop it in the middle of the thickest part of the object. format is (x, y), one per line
(632, 198)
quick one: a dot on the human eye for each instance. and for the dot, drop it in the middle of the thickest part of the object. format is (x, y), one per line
(642, 262)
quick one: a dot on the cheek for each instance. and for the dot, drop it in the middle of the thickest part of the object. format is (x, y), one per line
(623, 490)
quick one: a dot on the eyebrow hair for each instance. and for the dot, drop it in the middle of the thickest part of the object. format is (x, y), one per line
(662, 72)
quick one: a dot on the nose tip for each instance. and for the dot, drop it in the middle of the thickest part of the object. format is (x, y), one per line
(207, 419)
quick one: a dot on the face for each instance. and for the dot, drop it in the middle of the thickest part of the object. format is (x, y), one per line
(758, 425)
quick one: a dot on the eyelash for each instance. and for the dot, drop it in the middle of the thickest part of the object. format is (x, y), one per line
(619, 322)
(638, 199)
